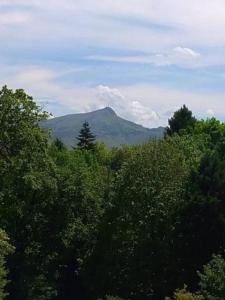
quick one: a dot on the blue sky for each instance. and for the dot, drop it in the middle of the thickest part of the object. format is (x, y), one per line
(144, 58)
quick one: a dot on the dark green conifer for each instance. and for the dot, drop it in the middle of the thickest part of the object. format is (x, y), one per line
(86, 140)
(182, 119)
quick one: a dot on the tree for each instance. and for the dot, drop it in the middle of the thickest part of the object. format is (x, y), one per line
(135, 234)
(27, 192)
(200, 228)
(19, 123)
(185, 295)
(181, 119)
(212, 282)
(212, 129)
(212, 279)
(5, 250)
(86, 139)
(82, 184)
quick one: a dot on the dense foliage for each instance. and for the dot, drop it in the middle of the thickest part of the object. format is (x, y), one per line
(183, 294)
(133, 222)
(5, 249)
(182, 119)
(212, 279)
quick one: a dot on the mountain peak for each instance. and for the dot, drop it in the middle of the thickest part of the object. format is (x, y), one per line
(109, 110)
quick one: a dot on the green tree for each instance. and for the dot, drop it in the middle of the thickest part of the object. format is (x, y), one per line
(82, 183)
(213, 130)
(212, 279)
(183, 294)
(19, 123)
(132, 252)
(5, 250)
(182, 119)
(27, 191)
(212, 282)
(200, 228)
(86, 140)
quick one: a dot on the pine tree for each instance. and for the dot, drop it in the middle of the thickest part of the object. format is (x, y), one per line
(86, 140)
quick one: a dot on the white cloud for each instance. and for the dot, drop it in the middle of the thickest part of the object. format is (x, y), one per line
(177, 56)
(182, 55)
(127, 106)
(144, 115)
(186, 52)
(166, 100)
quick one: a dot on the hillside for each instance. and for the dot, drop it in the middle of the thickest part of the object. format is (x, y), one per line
(105, 124)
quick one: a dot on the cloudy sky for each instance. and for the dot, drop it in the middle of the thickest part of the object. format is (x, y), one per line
(143, 58)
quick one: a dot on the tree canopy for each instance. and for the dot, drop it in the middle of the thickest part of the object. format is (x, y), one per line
(182, 119)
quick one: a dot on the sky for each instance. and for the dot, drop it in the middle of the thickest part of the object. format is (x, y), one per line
(143, 58)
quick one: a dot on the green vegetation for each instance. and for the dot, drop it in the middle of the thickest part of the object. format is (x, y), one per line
(212, 282)
(136, 222)
(212, 279)
(86, 140)
(183, 294)
(182, 119)
(5, 250)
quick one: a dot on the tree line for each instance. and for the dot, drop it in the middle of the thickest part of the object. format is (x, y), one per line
(135, 222)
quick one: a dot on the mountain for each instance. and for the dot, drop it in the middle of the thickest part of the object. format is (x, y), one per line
(105, 124)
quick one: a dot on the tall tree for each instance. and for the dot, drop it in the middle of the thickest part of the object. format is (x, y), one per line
(86, 140)
(27, 191)
(181, 119)
(19, 123)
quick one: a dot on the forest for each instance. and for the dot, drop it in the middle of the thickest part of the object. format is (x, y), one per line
(90, 222)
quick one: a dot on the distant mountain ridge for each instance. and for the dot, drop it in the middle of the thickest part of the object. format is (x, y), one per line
(105, 124)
